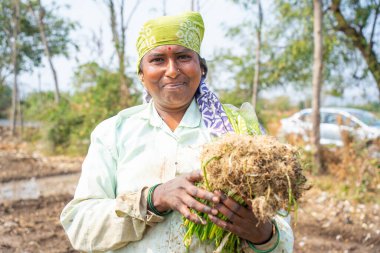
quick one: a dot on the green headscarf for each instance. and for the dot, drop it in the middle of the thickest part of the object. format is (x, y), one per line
(186, 30)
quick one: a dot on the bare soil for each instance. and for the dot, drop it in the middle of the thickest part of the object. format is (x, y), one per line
(324, 223)
(18, 161)
(30, 226)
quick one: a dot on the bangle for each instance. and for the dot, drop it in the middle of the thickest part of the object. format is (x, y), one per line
(150, 203)
(272, 248)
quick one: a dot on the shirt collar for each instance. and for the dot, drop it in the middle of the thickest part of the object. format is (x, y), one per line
(191, 119)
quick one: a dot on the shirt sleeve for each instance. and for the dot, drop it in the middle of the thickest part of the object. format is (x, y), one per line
(286, 238)
(96, 219)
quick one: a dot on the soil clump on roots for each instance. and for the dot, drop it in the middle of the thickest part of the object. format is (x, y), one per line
(259, 169)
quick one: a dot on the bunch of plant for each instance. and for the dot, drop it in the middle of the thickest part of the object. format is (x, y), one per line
(251, 169)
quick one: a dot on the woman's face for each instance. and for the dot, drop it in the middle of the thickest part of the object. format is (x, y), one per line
(171, 74)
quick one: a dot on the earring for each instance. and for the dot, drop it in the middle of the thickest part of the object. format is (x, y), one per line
(178, 70)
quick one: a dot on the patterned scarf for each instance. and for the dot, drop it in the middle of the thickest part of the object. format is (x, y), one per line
(213, 114)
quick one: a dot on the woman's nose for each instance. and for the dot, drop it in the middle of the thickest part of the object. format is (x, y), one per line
(172, 69)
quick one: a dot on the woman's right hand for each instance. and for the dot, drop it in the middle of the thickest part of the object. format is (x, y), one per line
(179, 194)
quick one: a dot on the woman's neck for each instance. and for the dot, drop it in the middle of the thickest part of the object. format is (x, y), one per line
(172, 117)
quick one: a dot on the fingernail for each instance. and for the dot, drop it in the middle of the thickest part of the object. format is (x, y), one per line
(214, 212)
(206, 209)
(215, 199)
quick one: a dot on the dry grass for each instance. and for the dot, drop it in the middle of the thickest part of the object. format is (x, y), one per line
(352, 170)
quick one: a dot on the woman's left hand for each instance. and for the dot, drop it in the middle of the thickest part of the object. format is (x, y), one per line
(241, 221)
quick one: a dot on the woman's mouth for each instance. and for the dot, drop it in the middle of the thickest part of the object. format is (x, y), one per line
(174, 85)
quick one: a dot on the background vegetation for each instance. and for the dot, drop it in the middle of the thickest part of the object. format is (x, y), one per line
(33, 30)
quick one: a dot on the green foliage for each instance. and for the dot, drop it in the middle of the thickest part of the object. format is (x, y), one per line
(36, 103)
(30, 46)
(373, 107)
(268, 111)
(5, 100)
(234, 97)
(287, 46)
(67, 126)
(28, 39)
(97, 96)
(57, 29)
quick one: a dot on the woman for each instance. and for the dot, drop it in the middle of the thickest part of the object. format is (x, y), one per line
(138, 176)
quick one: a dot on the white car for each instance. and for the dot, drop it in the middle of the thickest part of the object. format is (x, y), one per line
(359, 123)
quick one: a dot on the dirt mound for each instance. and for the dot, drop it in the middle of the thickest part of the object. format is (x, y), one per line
(33, 226)
(327, 224)
(17, 165)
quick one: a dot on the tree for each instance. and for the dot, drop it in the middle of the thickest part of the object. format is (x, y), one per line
(25, 41)
(15, 28)
(249, 5)
(359, 26)
(5, 100)
(195, 6)
(41, 25)
(119, 26)
(343, 66)
(317, 83)
(164, 7)
(29, 51)
(256, 80)
(287, 49)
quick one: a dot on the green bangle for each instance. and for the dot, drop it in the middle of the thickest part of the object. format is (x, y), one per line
(268, 250)
(150, 203)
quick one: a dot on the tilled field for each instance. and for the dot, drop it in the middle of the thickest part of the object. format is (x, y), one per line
(324, 224)
(33, 226)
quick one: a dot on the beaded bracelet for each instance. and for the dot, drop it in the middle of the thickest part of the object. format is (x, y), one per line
(274, 246)
(151, 205)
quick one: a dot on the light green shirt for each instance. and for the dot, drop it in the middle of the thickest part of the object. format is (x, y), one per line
(129, 153)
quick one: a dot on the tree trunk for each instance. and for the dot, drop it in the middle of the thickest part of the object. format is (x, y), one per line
(20, 116)
(119, 43)
(15, 96)
(256, 79)
(41, 26)
(317, 83)
(164, 7)
(358, 39)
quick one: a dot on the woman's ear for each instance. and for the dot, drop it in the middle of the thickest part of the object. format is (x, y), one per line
(141, 77)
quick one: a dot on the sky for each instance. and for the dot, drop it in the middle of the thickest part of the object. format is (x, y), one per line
(93, 18)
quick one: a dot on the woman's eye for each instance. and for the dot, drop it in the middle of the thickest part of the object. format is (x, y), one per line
(184, 57)
(155, 60)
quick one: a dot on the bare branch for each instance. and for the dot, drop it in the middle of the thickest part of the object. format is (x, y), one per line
(358, 40)
(374, 26)
(122, 28)
(131, 14)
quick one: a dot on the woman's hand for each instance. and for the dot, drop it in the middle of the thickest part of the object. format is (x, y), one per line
(179, 194)
(241, 221)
